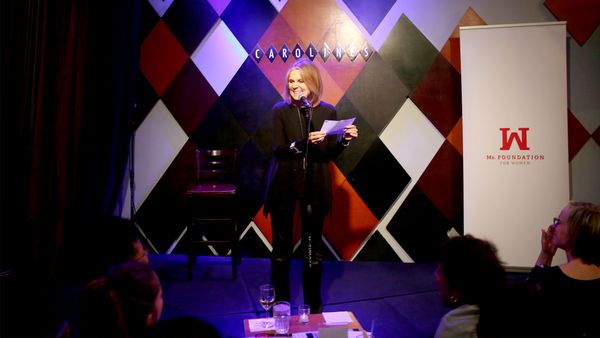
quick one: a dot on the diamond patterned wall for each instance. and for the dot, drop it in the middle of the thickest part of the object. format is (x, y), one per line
(397, 189)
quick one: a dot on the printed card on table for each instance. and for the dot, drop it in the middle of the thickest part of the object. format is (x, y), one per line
(261, 324)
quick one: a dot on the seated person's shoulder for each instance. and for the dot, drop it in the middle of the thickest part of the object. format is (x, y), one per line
(185, 326)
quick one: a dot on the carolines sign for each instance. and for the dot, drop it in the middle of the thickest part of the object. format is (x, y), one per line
(326, 52)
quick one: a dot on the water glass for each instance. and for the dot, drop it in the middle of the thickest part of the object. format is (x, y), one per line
(281, 313)
(303, 313)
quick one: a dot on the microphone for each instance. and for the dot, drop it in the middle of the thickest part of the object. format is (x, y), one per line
(305, 101)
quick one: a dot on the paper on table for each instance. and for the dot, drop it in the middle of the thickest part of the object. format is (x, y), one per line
(331, 127)
(339, 317)
(350, 333)
(333, 332)
(258, 324)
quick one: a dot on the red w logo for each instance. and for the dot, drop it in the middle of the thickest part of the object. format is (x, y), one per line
(508, 138)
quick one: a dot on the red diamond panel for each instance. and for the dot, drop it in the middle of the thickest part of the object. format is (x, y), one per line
(596, 135)
(578, 135)
(456, 137)
(189, 97)
(161, 57)
(442, 182)
(264, 224)
(438, 95)
(451, 50)
(582, 16)
(351, 221)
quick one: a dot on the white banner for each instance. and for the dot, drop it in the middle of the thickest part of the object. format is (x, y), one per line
(515, 148)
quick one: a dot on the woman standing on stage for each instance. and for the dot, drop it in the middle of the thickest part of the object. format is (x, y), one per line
(299, 176)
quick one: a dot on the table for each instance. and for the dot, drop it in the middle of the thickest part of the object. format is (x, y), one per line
(314, 323)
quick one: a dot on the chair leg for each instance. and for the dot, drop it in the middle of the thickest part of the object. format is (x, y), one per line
(234, 251)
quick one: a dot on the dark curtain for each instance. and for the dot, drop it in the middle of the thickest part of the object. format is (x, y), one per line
(68, 73)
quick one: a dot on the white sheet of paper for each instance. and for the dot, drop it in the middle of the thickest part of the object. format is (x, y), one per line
(258, 324)
(331, 127)
(350, 334)
(339, 317)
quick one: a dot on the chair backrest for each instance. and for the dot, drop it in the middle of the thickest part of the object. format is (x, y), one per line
(216, 165)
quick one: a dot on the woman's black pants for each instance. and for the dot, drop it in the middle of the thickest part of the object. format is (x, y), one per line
(282, 220)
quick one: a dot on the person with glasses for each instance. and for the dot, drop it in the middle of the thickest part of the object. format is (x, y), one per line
(556, 235)
(572, 289)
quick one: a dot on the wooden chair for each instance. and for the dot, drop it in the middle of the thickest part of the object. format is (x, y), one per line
(212, 206)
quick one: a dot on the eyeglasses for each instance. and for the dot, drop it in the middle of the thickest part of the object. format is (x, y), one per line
(556, 221)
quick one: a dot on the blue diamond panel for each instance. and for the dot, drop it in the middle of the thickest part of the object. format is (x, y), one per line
(369, 12)
(190, 21)
(250, 107)
(248, 20)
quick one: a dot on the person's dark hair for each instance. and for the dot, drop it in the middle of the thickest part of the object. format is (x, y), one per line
(111, 241)
(471, 267)
(183, 327)
(118, 304)
(584, 231)
(120, 234)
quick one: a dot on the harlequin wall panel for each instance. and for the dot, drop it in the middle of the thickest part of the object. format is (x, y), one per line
(215, 68)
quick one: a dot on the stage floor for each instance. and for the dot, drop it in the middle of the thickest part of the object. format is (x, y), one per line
(398, 299)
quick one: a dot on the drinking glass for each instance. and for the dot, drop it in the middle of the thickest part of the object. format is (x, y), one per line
(267, 298)
(303, 313)
(281, 313)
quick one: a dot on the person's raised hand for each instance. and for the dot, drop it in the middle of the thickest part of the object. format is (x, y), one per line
(316, 137)
(548, 248)
(350, 132)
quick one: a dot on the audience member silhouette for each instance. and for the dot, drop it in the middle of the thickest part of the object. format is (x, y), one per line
(183, 327)
(122, 304)
(570, 292)
(469, 276)
(114, 240)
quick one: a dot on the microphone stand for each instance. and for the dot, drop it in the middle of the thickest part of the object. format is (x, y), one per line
(132, 210)
(308, 117)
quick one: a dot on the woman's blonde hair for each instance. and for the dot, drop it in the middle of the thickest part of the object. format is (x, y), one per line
(584, 232)
(312, 78)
